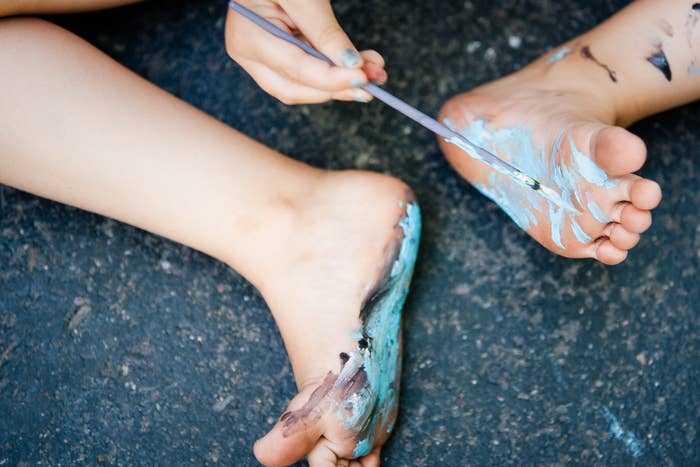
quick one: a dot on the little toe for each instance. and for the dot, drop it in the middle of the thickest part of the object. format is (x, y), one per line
(621, 237)
(645, 194)
(609, 254)
(617, 151)
(634, 219)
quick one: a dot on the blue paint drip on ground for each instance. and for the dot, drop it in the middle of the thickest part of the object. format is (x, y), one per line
(628, 438)
(383, 327)
(558, 55)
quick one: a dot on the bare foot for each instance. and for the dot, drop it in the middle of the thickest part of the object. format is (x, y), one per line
(336, 292)
(545, 123)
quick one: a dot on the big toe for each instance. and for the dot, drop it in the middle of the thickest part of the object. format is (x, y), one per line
(291, 438)
(617, 151)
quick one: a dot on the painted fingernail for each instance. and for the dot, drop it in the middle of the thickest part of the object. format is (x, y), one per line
(360, 98)
(357, 83)
(350, 59)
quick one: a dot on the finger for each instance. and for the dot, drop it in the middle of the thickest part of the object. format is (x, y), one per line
(316, 20)
(375, 73)
(374, 57)
(357, 95)
(298, 66)
(286, 91)
(249, 41)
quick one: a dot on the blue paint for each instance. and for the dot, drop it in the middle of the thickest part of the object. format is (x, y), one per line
(628, 438)
(350, 59)
(561, 53)
(596, 212)
(693, 69)
(556, 217)
(588, 169)
(522, 217)
(569, 176)
(373, 405)
(580, 235)
(362, 447)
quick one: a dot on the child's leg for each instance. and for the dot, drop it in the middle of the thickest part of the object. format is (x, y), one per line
(321, 247)
(558, 112)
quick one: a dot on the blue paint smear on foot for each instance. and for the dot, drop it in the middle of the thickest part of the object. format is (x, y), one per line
(693, 69)
(561, 53)
(556, 217)
(382, 361)
(588, 169)
(580, 235)
(596, 212)
(628, 438)
(516, 144)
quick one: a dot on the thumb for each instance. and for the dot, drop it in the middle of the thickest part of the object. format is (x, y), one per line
(317, 22)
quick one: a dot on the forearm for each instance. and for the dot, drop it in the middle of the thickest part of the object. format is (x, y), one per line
(27, 7)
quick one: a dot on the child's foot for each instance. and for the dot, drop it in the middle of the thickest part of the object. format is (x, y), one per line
(336, 289)
(560, 132)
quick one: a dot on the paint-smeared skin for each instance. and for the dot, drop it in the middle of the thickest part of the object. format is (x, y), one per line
(587, 54)
(365, 391)
(558, 55)
(693, 69)
(690, 23)
(568, 176)
(658, 59)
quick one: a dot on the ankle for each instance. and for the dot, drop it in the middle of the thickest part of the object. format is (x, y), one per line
(261, 238)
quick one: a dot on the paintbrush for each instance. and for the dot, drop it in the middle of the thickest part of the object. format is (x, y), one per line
(416, 115)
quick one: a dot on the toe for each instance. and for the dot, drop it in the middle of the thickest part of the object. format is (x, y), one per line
(645, 194)
(617, 151)
(323, 456)
(609, 254)
(622, 238)
(285, 443)
(634, 219)
(372, 459)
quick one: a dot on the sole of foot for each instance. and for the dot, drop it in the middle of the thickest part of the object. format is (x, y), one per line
(337, 298)
(564, 137)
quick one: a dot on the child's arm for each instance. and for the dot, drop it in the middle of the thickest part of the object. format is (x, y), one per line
(26, 7)
(289, 74)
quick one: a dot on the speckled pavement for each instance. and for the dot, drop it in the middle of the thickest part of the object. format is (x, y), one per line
(120, 348)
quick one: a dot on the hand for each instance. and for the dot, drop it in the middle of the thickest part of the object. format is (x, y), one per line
(290, 74)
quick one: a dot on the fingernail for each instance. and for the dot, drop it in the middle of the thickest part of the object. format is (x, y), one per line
(360, 98)
(350, 59)
(357, 83)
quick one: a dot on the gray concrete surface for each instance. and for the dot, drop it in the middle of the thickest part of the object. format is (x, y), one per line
(120, 348)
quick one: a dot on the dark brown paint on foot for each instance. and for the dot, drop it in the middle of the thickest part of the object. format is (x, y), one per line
(690, 23)
(658, 59)
(587, 54)
(300, 419)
